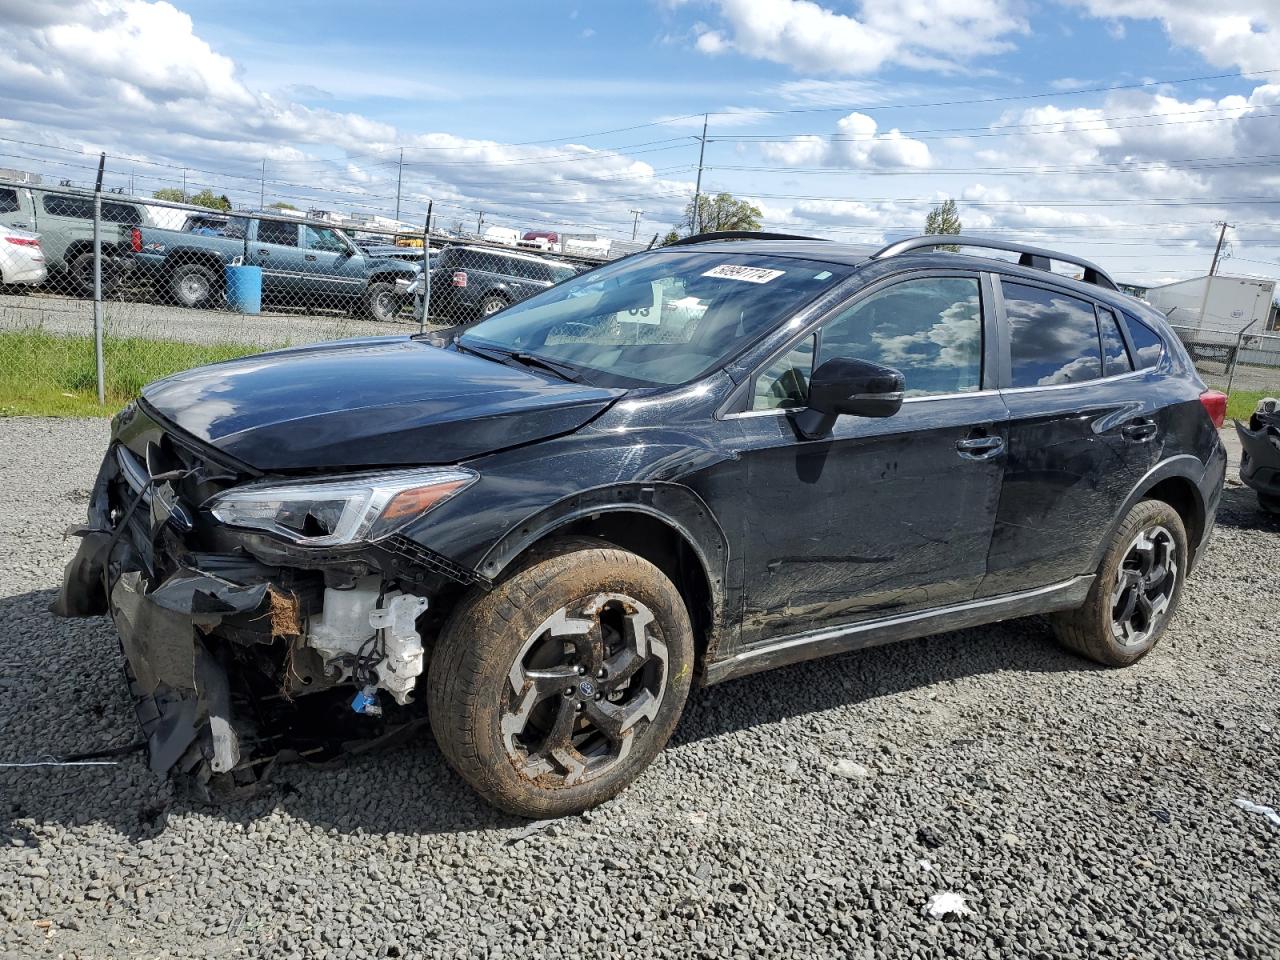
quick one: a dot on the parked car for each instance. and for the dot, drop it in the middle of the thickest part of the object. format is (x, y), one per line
(22, 260)
(303, 264)
(470, 282)
(544, 240)
(556, 525)
(64, 220)
(1260, 453)
(503, 235)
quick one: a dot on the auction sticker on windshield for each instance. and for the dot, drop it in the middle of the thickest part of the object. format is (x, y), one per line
(735, 271)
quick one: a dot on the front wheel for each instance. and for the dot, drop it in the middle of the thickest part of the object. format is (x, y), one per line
(382, 302)
(551, 692)
(1135, 592)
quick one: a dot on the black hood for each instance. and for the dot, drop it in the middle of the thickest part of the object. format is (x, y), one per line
(375, 402)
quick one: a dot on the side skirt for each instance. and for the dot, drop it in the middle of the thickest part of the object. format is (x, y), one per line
(907, 626)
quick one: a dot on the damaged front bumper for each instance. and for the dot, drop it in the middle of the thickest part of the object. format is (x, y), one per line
(242, 650)
(1260, 455)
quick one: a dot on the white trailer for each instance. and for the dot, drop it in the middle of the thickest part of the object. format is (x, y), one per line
(1217, 307)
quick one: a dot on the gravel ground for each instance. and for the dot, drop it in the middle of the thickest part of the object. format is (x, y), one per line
(810, 812)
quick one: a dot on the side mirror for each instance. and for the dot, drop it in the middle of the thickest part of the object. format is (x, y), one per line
(843, 385)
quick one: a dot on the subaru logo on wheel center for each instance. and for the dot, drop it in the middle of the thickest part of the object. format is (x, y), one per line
(587, 689)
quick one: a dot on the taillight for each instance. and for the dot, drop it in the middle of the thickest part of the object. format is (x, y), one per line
(24, 241)
(135, 240)
(460, 278)
(1215, 404)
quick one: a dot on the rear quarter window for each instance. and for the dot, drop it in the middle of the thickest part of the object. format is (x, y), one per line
(1147, 345)
(1053, 337)
(60, 205)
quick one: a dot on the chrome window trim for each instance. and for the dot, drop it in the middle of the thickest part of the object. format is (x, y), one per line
(1076, 383)
(775, 411)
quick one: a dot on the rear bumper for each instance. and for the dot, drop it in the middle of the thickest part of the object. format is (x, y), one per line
(25, 272)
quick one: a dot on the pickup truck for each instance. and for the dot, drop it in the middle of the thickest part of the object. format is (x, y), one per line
(64, 220)
(303, 264)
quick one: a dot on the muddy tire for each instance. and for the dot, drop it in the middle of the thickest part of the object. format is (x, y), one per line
(1269, 503)
(1136, 591)
(80, 272)
(194, 285)
(551, 692)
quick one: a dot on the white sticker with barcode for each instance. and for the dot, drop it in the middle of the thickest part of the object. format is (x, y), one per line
(735, 271)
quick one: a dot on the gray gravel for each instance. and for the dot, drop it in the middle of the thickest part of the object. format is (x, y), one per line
(811, 812)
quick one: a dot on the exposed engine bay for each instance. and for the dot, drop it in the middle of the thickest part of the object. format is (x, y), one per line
(242, 649)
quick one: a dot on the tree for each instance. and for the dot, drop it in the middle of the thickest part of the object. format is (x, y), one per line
(671, 237)
(281, 205)
(171, 194)
(207, 198)
(724, 211)
(943, 219)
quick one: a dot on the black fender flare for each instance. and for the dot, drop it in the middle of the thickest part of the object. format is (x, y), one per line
(1182, 465)
(673, 504)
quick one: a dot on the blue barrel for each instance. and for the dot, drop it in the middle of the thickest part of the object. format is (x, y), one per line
(244, 289)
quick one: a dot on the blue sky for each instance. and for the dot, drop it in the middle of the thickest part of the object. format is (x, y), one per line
(819, 112)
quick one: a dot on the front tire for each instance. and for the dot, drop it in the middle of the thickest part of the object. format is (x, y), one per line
(382, 302)
(490, 305)
(553, 691)
(1135, 592)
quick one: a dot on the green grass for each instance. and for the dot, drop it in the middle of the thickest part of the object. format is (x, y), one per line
(48, 375)
(1241, 403)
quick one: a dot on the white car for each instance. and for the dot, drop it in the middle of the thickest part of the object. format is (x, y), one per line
(21, 259)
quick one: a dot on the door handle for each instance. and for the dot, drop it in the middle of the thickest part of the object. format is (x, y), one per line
(1139, 431)
(264, 253)
(980, 448)
(311, 257)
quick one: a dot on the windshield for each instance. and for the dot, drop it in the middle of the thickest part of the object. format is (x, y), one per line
(658, 319)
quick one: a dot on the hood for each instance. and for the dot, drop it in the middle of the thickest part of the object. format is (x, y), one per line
(374, 402)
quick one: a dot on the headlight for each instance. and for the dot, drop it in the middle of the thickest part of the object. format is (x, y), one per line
(327, 513)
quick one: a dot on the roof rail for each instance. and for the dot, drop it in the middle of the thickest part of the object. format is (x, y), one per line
(739, 235)
(1036, 257)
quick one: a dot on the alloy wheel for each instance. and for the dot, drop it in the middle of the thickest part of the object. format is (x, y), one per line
(1144, 586)
(194, 288)
(583, 686)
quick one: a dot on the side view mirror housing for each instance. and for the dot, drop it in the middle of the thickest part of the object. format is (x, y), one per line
(843, 385)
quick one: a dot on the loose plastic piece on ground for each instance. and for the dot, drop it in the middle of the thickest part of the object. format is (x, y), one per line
(941, 905)
(1249, 806)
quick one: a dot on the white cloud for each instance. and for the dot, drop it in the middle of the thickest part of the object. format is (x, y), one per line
(812, 38)
(134, 78)
(855, 144)
(1240, 33)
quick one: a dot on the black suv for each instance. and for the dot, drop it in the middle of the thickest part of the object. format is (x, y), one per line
(472, 282)
(685, 466)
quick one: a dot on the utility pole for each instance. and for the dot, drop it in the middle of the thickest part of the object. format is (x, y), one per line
(262, 186)
(1217, 251)
(636, 223)
(184, 184)
(479, 221)
(399, 176)
(697, 189)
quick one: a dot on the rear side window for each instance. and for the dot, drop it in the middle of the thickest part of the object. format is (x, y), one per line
(8, 201)
(1147, 345)
(58, 205)
(1115, 357)
(281, 234)
(1053, 337)
(119, 213)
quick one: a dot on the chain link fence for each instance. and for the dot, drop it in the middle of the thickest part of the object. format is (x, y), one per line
(169, 285)
(1234, 360)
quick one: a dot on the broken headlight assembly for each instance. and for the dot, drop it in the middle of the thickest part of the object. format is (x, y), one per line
(339, 512)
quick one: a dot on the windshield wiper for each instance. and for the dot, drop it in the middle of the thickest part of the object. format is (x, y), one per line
(563, 370)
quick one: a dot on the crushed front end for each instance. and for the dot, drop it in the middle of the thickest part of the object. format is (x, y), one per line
(262, 618)
(1260, 454)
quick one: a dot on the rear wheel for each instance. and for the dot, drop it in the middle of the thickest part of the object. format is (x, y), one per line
(80, 272)
(1135, 592)
(552, 692)
(193, 285)
(491, 304)
(1269, 502)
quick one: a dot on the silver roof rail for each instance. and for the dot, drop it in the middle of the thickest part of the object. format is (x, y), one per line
(1036, 257)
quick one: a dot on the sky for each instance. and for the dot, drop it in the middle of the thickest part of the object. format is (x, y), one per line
(1122, 131)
